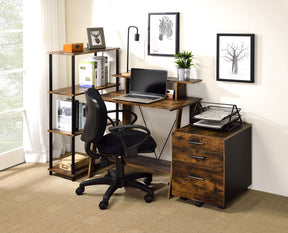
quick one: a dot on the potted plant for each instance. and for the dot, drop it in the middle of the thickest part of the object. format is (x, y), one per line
(184, 63)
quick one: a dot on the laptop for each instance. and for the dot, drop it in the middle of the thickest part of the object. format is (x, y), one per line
(146, 86)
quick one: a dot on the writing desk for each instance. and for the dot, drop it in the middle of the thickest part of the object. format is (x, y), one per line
(172, 105)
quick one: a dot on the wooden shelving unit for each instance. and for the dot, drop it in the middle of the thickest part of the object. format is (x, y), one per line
(72, 91)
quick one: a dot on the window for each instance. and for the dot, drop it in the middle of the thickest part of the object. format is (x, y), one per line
(11, 74)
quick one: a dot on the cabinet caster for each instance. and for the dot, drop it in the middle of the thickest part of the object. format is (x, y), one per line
(148, 198)
(147, 180)
(199, 203)
(80, 190)
(103, 205)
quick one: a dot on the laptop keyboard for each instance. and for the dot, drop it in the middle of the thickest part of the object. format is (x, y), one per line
(141, 97)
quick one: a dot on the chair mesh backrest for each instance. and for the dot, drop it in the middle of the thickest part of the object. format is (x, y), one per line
(96, 119)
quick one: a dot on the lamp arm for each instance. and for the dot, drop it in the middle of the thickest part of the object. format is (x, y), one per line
(128, 44)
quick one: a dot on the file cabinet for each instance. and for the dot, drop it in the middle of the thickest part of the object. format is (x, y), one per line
(211, 166)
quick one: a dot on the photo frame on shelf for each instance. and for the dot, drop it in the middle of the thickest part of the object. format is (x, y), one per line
(235, 57)
(96, 39)
(163, 34)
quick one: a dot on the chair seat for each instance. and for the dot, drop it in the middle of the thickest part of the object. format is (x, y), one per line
(110, 144)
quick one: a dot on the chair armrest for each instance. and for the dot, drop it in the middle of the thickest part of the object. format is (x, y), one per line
(89, 151)
(111, 121)
(125, 111)
(130, 151)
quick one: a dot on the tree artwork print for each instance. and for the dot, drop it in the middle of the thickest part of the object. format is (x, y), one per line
(235, 57)
(234, 54)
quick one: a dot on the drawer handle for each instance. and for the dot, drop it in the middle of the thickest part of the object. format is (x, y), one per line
(196, 178)
(196, 157)
(196, 143)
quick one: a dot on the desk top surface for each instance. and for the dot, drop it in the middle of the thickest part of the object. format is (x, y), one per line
(170, 105)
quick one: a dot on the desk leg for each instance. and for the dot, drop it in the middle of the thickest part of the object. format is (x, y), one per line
(178, 118)
(177, 126)
(126, 119)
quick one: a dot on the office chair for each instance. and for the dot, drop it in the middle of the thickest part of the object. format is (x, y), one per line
(123, 140)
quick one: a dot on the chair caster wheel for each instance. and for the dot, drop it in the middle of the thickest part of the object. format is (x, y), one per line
(199, 203)
(148, 198)
(103, 205)
(147, 180)
(104, 162)
(80, 190)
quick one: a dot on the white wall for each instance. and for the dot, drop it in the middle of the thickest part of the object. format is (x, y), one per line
(264, 103)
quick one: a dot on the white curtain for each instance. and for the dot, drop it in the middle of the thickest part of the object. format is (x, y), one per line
(44, 30)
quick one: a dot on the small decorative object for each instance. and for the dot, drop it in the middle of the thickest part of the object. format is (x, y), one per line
(96, 39)
(184, 63)
(235, 57)
(73, 48)
(163, 34)
(170, 94)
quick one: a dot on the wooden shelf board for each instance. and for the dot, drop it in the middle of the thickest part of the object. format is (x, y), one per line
(148, 163)
(170, 79)
(57, 131)
(85, 51)
(68, 174)
(79, 90)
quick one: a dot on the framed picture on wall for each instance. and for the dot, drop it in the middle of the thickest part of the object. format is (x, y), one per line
(235, 57)
(96, 39)
(163, 34)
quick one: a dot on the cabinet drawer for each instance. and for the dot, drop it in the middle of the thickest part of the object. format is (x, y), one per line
(201, 157)
(201, 183)
(186, 140)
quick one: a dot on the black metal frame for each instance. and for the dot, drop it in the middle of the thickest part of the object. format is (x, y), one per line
(176, 33)
(101, 31)
(251, 37)
(232, 123)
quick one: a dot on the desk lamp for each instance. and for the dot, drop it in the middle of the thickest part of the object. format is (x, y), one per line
(136, 38)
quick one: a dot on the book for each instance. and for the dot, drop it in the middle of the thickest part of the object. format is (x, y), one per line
(86, 73)
(82, 115)
(64, 114)
(101, 70)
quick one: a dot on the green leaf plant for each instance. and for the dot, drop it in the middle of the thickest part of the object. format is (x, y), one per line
(184, 59)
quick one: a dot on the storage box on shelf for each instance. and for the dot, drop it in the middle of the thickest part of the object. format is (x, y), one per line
(71, 92)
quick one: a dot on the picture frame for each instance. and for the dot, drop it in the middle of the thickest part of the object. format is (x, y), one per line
(96, 39)
(235, 57)
(163, 34)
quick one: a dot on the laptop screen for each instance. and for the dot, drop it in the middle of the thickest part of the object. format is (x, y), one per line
(148, 81)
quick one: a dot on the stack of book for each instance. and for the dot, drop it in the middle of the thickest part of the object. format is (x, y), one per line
(64, 114)
(94, 71)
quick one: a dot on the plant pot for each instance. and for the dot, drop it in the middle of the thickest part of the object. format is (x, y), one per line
(183, 74)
